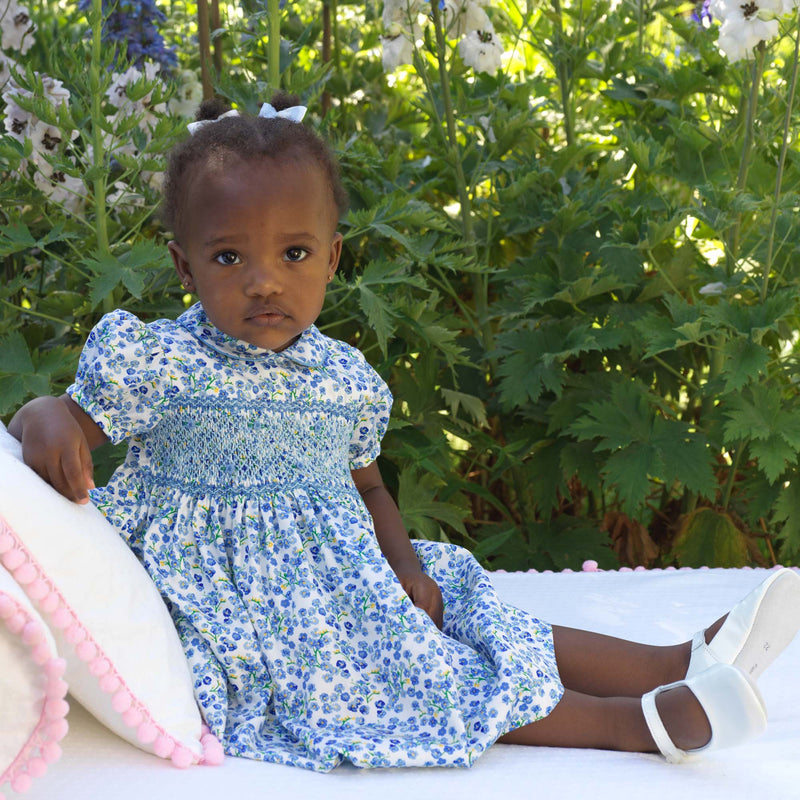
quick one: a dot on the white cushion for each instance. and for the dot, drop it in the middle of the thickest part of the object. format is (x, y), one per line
(125, 662)
(32, 705)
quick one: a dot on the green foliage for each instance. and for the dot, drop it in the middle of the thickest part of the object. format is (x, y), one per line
(585, 306)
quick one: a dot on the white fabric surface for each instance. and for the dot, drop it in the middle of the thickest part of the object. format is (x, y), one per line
(659, 607)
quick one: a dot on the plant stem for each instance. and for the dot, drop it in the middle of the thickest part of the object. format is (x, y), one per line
(563, 75)
(744, 163)
(726, 494)
(787, 121)
(204, 44)
(99, 155)
(274, 45)
(479, 282)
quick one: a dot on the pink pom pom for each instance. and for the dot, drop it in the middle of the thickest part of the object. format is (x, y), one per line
(32, 633)
(7, 606)
(121, 701)
(75, 634)
(163, 746)
(57, 688)
(55, 668)
(182, 757)
(61, 618)
(99, 666)
(13, 559)
(51, 752)
(109, 683)
(213, 754)
(41, 653)
(86, 651)
(147, 733)
(590, 565)
(37, 767)
(50, 602)
(38, 589)
(6, 542)
(16, 622)
(57, 729)
(132, 717)
(22, 783)
(26, 573)
(54, 708)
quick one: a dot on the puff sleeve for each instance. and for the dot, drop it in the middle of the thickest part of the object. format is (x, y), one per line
(119, 381)
(372, 421)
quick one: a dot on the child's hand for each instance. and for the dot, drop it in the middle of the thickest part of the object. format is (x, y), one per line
(425, 594)
(55, 446)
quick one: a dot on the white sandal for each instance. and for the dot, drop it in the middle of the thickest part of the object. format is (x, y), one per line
(755, 631)
(731, 702)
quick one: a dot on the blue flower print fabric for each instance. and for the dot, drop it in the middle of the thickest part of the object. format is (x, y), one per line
(237, 497)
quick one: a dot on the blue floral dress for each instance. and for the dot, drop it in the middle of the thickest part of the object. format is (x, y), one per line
(236, 495)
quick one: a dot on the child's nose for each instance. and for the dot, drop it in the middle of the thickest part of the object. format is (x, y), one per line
(263, 279)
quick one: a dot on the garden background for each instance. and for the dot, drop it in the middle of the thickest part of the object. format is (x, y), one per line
(572, 247)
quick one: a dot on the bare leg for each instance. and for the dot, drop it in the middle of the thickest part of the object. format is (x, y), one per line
(604, 679)
(615, 723)
(604, 666)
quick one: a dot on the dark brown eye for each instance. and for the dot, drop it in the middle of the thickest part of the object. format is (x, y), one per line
(227, 258)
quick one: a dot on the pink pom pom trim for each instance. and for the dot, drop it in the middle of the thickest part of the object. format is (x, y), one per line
(34, 756)
(15, 557)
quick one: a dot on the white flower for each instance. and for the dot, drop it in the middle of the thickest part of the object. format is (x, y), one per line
(63, 189)
(6, 64)
(462, 16)
(123, 198)
(118, 97)
(188, 96)
(745, 25)
(486, 124)
(54, 91)
(400, 15)
(481, 50)
(17, 121)
(397, 50)
(713, 288)
(16, 26)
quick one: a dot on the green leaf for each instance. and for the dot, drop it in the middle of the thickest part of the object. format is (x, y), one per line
(708, 537)
(617, 422)
(14, 354)
(787, 511)
(745, 361)
(628, 471)
(685, 455)
(379, 313)
(421, 512)
(15, 238)
(774, 455)
(473, 405)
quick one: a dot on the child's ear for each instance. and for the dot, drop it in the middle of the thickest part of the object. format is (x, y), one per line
(335, 255)
(181, 265)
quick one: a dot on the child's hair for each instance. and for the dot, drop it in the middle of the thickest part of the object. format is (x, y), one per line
(250, 138)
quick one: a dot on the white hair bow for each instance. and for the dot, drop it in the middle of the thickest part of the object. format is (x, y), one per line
(293, 114)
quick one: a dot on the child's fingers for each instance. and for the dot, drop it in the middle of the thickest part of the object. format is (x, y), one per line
(74, 477)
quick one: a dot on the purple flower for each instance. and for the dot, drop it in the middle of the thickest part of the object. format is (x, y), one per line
(134, 22)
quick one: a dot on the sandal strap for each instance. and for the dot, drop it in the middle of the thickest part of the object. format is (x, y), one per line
(657, 730)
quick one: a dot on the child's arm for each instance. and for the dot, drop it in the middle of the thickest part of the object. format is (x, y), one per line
(57, 438)
(395, 544)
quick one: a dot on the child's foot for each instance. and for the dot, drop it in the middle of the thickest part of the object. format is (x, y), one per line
(755, 631)
(718, 708)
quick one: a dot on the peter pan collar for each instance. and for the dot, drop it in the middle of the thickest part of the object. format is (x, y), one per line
(309, 350)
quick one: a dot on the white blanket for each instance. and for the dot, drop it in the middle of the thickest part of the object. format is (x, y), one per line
(660, 607)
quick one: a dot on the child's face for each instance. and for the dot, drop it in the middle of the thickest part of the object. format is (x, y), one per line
(259, 246)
